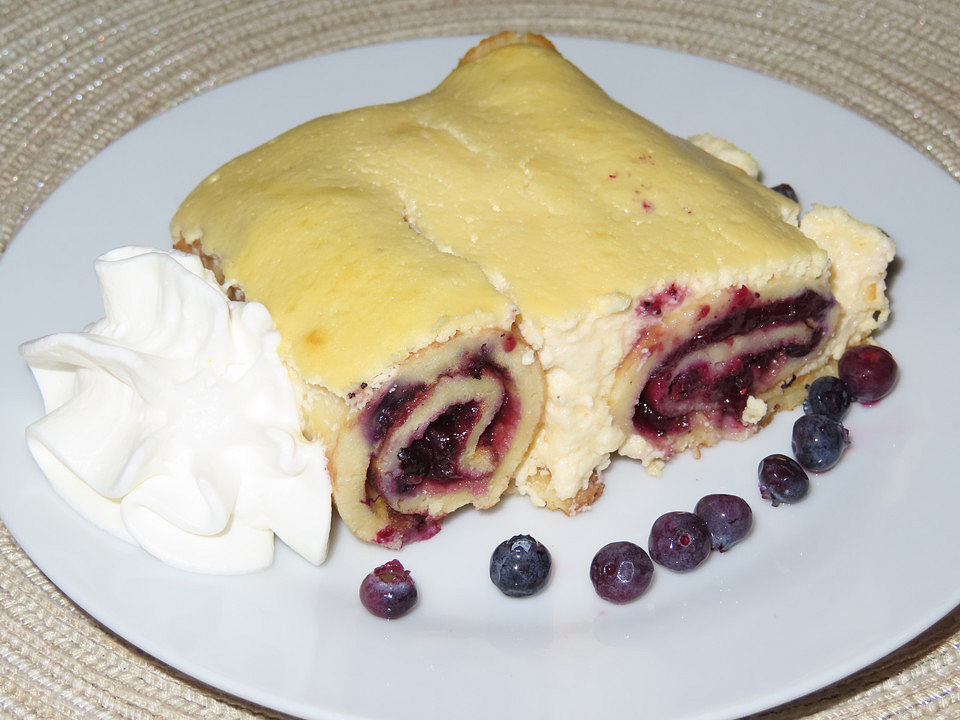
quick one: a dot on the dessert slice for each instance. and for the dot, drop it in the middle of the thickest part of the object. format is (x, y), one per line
(427, 260)
(709, 367)
(633, 255)
(406, 359)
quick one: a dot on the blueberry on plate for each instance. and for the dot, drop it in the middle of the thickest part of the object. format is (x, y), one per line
(818, 442)
(680, 541)
(869, 371)
(786, 190)
(728, 517)
(389, 592)
(520, 566)
(827, 396)
(621, 572)
(782, 480)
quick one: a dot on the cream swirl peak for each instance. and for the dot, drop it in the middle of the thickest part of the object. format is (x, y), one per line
(173, 424)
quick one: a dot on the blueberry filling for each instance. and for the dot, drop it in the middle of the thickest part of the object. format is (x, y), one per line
(393, 409)
(405, 529)
(431, 462)
(655, 305)
(673, 393)
(434, 455)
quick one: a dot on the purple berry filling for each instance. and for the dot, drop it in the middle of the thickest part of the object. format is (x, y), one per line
(406, 529)
(432, 461)
(672, 295)
(434, 455)
(394, 407)
(724, 389)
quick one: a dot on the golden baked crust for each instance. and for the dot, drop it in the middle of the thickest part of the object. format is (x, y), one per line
(517, 199)
(503, 39)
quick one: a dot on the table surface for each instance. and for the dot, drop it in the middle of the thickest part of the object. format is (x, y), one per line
(74, 76)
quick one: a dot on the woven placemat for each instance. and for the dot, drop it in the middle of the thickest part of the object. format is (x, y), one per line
(77, 74)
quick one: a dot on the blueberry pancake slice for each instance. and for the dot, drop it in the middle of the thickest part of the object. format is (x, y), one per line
(513, 276)
(448, 429)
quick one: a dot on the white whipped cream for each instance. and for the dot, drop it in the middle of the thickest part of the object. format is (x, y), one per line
(172, 423)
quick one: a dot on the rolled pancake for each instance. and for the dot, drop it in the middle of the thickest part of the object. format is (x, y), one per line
(422, 409)
(669, 298)
(449, 429)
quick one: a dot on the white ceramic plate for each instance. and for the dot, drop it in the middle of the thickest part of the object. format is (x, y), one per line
(817, 591)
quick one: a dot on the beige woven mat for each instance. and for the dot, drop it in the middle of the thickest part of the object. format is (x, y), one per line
(77, 74)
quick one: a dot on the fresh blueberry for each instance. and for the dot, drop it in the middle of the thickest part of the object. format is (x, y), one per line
(786, 190)
(520, 566)
(621, 572)
(869, 371)
(728, 517)
(782, 480)
(389, 591)
(827, 396)
(818, 442)
(680, 541)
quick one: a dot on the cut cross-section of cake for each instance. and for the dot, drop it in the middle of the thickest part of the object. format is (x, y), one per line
(516, 276)
(406, 359)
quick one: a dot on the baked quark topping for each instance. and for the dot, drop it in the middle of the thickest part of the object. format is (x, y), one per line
(173, 423)
(517, 174)
(518, 198)
(723, 149)
(445, 427)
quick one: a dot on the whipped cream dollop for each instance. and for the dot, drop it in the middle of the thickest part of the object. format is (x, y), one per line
(172, 423)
